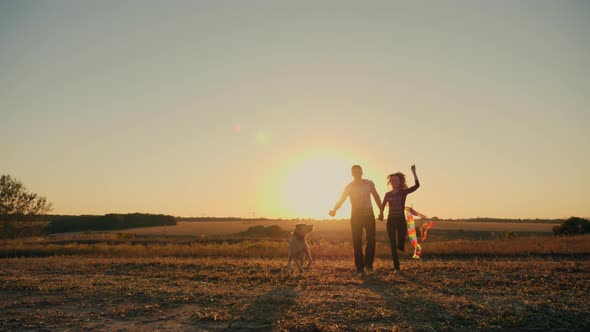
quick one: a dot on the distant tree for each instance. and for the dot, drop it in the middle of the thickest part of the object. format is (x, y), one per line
(259, 231)
(109, 221)
(17, 203)
(572, 226)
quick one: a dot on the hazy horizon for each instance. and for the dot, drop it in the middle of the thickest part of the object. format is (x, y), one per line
(337, 218)
(224, 108)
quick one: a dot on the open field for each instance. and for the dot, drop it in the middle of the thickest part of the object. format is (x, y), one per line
(128, 282)
(334, 230)
(127, 245)
(77, 293)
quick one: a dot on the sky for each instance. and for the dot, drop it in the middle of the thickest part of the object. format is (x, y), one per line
(260, 108)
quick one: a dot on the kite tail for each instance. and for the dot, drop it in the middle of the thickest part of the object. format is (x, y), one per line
(412, 233)
(424, 229)
(410, 213)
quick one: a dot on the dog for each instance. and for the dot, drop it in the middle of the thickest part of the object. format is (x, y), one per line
(298, 248)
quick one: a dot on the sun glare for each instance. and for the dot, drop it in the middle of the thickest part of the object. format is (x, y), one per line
(306, 185)
(311, 185)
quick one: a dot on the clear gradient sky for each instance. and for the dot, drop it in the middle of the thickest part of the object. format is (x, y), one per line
(228, 108)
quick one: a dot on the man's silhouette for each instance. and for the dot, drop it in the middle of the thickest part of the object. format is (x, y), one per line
(361, 217)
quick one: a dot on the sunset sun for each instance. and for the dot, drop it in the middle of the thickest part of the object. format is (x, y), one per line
(312, 184)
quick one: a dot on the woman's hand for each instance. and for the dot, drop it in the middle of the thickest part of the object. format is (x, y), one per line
(414, 169)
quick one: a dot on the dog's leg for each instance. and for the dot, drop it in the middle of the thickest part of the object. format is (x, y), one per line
(308, 255)
(298, 263)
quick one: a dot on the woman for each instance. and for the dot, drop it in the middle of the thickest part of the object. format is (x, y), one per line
(396, 220)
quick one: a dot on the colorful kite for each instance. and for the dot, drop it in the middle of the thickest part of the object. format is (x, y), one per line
(410, 213)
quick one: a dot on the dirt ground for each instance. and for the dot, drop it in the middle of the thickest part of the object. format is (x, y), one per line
(170, 294)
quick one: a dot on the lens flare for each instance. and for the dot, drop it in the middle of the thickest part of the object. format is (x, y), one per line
(262, 137)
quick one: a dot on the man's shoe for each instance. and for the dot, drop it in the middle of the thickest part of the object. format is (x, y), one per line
(369, 269)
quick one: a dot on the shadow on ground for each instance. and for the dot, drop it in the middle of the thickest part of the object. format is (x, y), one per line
(411, 310)
(267, 309)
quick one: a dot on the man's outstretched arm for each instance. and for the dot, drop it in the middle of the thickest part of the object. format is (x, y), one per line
(339, 203)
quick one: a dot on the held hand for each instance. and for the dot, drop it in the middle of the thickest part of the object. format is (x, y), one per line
(380, 217)
(332, 213)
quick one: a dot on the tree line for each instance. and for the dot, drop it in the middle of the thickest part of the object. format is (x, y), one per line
(24, 213)
(18, 205)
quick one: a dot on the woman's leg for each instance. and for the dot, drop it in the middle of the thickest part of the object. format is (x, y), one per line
(391, 231)
(402, 232)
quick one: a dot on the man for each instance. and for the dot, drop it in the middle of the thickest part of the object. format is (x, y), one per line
(361, 217)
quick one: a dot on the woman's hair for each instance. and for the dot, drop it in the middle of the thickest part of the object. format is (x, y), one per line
(402, 179)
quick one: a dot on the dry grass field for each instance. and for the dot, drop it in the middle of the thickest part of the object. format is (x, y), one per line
(328, 230)
(125, 281)
(196, 294)
(126, 245)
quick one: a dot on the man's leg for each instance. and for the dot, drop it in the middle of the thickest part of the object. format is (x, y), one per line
(357, 242)
(370, 249)
(392, 232)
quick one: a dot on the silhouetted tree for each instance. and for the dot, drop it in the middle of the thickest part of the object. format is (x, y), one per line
(18, 204)
(572, 226)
